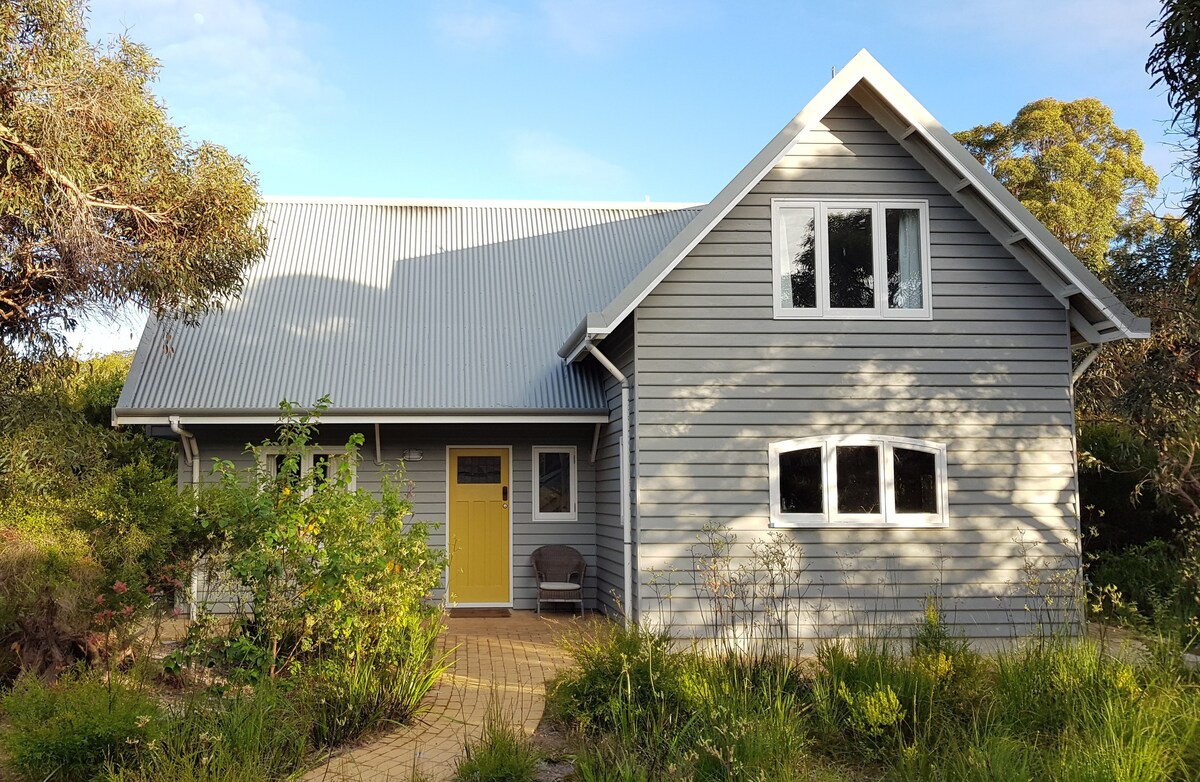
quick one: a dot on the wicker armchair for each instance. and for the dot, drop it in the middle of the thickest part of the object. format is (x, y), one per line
(559, 571)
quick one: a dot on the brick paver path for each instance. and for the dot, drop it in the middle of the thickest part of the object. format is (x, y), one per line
(500, 663)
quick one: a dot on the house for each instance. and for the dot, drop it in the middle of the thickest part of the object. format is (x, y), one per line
(862, 348)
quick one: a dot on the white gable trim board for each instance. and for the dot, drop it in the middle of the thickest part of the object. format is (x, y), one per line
(869, 83)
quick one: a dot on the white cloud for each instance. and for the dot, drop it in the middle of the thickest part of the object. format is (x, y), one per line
(232, 69)
(595, 26)
(546, 158)
(473, 24)
(582, 27)
(1063, 27)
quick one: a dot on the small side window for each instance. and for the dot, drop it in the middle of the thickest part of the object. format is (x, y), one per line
(324, 464)
(554, 483)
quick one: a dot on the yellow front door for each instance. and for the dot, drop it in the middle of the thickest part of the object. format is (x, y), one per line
(479, 526)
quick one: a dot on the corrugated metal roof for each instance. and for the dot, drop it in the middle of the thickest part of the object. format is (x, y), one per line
(406, 307)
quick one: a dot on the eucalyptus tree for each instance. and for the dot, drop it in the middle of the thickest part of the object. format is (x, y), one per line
(103, 202)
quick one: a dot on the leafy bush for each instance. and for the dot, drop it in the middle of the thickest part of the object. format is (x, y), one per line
(71, 730)
(95, 530)
(331, 571)
(251, 735)
(502, 754)
(1161, 579)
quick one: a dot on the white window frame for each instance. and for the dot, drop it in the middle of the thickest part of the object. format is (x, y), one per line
(336, 457)
(538, 515)
(888, 517)
(879, 250)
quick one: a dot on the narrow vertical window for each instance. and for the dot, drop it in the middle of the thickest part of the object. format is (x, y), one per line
(851, 259)
(554, 483)
(916, 480)
(904, 261)
(801, 485)
(798, 286)
(858, 479)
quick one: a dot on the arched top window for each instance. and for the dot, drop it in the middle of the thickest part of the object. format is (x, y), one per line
(858, 481)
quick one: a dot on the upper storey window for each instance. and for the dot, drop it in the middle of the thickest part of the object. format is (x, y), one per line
(851, 259)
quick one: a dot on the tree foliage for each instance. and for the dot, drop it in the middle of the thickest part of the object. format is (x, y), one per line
(1073, 168)
(93, 530)
(1175, 63)
(1138, 402)
(103, 201)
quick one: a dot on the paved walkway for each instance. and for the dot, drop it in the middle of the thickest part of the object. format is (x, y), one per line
(500, 663)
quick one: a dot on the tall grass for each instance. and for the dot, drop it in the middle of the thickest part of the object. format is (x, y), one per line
(255, 735)
(1054, 708)
(503, 753)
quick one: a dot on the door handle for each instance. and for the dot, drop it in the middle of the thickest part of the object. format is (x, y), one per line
(504, 493)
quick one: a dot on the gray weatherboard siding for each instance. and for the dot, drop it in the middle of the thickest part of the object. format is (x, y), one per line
(717, 379)
(428, 478)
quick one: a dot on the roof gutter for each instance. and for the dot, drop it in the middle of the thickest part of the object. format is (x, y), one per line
(631, 605)
(203, 416)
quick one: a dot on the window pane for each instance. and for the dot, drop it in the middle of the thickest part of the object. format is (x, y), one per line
(554, 482)
(801, 488)
(851, 259)
(479, 469)
(798, 289)
(904, 259)
(858, 478)
(916, 481)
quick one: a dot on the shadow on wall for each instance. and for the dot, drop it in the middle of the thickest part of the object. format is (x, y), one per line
(1007, 564)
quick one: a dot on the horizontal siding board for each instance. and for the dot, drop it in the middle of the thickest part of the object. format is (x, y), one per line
(719, 379)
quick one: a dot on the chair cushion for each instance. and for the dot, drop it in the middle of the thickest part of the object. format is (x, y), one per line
(558, 586)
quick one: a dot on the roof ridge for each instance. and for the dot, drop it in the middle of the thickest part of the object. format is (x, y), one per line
(482, 203)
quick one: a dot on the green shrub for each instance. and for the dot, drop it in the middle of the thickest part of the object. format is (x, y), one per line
(331, 571)
(1157, 577)
(71, 730)
(502, 754)
(251, 735)
(618, 669)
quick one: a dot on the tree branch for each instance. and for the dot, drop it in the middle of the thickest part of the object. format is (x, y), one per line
(73, 191)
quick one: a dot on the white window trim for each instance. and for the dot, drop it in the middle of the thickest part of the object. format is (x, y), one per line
(879, 249)
(573, 514)
(336, 455)
(830, 518)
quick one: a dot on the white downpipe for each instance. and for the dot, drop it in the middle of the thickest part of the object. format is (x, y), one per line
(378, 447)
(1083, 365)
(191, 450)
(626, 514)
(191, 456)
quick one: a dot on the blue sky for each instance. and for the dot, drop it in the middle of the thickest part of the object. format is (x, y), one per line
(594, 99)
